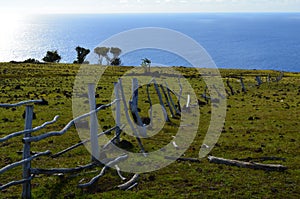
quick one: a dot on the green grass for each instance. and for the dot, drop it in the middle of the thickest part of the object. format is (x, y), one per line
(274, 131)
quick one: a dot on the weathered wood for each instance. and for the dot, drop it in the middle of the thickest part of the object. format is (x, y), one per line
(251, 165)
(118, 111)
(26, 190)
(183, 159)
(28, 130)
(171, 100)
(150, 103)
(23, 161)
(20, 103)
(67, 127)
(258, 79)
(219, 93)
(93, 123)
(243, 85)
(132, 186)
(119, 172)
(13, 183)
(63, 170)
(167, 100)
(129, 183)
(262, 159)
(129, 120)
(230, 87)
(82, 143)
(109, 164)
(280, 77)
(167, 119)
(134, 108)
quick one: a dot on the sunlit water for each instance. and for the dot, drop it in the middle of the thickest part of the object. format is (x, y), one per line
(250, 41)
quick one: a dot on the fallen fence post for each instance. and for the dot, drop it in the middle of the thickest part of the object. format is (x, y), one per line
(251, 165)
(93, 123)
(26, 190)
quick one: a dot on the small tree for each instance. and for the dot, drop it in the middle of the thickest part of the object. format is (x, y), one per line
(115, 52)
(81, 54)
(146, 64)
(116, 62)
(102, 52)
(52, 56)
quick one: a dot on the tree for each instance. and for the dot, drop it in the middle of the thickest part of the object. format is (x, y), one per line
(116, 52)
(146, 64)
(81, 54)
(102, 52)
(52, 56)
(116, 62)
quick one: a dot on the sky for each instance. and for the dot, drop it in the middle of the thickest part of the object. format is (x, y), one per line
(146, 6)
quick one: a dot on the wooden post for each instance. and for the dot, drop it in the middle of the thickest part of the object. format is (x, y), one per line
(134, 107)
(26, 191)
(161, 101)
(167, 99)
(171, 100)
(243, 85)
(230, 87)
(93, 123)
(128, 118)
(180, 94)
(258, 79)
(118, 111)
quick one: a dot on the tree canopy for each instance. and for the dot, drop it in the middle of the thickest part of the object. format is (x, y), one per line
(81, 54)
(52, 56)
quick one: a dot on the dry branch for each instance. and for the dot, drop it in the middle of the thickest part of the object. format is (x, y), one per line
(12, 183)
(20, 103)
(10, 166)
(251, 165)
(29, 130)
(129, 183)
(182, 159)
(62, 170)
(81, 143)
(109, 164)
(68, 126)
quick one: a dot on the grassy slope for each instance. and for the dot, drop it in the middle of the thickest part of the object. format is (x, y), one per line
(275, 132)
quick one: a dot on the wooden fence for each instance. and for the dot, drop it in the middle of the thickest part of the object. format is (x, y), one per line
(161, 91)
(29, 172)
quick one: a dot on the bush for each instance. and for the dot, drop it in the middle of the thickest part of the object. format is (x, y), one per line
(52, 56)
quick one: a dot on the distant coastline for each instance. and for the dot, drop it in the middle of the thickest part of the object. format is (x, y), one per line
(233, 40)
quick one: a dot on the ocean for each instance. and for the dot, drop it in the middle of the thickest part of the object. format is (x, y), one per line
(233, 40)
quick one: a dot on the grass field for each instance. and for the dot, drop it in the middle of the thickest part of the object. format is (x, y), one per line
(262, 122)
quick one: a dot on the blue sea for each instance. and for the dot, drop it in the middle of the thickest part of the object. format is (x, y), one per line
(233, 40)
